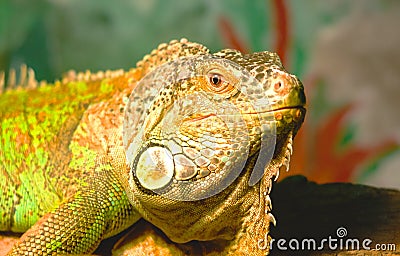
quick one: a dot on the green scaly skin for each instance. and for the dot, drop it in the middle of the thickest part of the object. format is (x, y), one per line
(65, 179)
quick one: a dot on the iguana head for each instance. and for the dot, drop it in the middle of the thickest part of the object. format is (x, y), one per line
(203, 116)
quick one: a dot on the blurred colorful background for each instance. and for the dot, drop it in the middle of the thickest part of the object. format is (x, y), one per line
(347, 53)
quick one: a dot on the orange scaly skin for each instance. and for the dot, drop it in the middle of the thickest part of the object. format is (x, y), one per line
(70, 178)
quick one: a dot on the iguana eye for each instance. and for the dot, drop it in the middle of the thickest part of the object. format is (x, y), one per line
(217, 79)
(217, 82)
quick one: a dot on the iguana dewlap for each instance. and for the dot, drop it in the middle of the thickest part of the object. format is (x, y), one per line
(188, 140)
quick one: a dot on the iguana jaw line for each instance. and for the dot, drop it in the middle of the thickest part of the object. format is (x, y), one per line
(207, 115)
(300, 107)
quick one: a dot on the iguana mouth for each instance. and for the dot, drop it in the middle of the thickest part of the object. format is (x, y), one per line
(289, 107)
(301, 107)
(205, 116)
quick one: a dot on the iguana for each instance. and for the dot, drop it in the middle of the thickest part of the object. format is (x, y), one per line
(188, 140)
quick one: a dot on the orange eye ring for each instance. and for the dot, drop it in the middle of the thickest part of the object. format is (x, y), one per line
(217, 82)
(220, 81)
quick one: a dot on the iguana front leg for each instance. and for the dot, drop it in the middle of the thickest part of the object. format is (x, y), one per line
(100, 209)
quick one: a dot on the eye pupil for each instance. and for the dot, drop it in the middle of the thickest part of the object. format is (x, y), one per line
(215, 79)
(216, 82)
